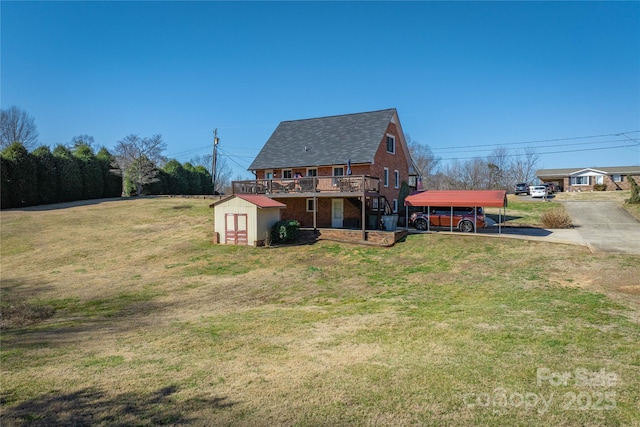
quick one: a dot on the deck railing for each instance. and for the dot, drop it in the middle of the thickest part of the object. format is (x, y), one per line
(349, 184)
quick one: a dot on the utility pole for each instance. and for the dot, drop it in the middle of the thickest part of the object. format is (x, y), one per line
(214, 159)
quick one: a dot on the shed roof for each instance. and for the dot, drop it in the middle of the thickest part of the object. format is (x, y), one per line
(256, 199)
(492, 198)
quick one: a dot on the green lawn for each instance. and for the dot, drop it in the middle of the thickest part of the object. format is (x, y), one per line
(124, 314)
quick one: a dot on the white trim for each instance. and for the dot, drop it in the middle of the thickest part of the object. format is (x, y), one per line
(307, 204)
(396, 178)
(385, 178)
(572, 180)
(312, 169)
(386, 142)
(588, 172)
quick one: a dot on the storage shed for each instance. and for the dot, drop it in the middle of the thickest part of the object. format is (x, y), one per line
(244, 219)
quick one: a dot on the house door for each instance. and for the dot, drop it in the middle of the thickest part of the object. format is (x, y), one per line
(236, 229)
(337, 213)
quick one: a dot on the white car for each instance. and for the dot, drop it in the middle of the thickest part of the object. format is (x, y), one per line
(538, 191)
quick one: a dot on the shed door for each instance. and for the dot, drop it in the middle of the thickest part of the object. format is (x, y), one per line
(236, 229)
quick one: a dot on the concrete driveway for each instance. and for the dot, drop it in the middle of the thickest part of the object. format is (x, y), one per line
(605, 226)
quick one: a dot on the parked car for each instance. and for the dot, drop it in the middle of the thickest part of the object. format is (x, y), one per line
(538, 191)
(521, 188)
(441, 217)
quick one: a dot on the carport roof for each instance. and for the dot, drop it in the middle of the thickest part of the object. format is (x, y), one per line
(459, 198)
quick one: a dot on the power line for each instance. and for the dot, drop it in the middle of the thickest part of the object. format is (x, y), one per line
(230, 157)
(543, 140)
(551, 145)
(549, 152)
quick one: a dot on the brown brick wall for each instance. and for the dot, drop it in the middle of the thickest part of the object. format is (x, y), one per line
(393, 162)
(607, 180)
(380, 238)
(297, 209)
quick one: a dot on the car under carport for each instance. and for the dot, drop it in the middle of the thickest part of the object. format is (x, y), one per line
(458, 198)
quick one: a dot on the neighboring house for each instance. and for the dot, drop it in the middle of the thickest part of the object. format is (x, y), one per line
(584, 179)
(338, 171)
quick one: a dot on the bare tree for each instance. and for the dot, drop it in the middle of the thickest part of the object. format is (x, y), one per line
(137, 160)
(524, 166)
(223, 171)
(500, 169)
(17, 125)
(83, 140)
(424, 159)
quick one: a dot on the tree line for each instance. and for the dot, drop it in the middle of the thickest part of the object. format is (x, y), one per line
(76, 172)
(501, 170)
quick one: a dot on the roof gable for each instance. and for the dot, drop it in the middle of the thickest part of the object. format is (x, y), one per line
(255, 199)
(325, 140)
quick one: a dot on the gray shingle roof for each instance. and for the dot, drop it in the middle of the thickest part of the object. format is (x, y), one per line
(623, 170)
(325, 141)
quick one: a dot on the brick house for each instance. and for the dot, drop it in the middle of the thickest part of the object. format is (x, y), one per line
(335, 172)
(584, 179)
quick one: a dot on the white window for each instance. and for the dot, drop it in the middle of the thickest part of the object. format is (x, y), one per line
(391, 144)
(599, 179)
(617, 178)
(395, 205)
(286, 173)
(312, 172)
(337, 171)
(386, 177)
(579, 180)
(396, 179)
(310, 206)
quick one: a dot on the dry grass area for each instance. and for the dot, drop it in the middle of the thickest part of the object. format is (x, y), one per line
(148, 323)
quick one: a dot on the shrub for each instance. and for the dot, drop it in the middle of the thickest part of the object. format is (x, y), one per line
(556, 218)
(599, 187)
(284, 231)
(635, 191)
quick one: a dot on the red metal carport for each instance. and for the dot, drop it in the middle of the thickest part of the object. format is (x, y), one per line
(459, 198)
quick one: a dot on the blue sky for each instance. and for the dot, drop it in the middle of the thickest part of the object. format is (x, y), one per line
(465, 77)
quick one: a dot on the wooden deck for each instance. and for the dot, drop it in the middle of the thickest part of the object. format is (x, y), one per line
(310, 186)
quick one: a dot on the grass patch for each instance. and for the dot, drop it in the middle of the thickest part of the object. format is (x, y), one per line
(151, 324)
(15, 314)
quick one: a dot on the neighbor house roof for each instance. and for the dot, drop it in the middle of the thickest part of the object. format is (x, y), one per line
(256, 199)
(326, 140)
(611, 170)
(459, 198)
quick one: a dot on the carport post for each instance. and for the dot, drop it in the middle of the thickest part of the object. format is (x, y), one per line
(451, 220)
(406, 216)
(475, 220)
